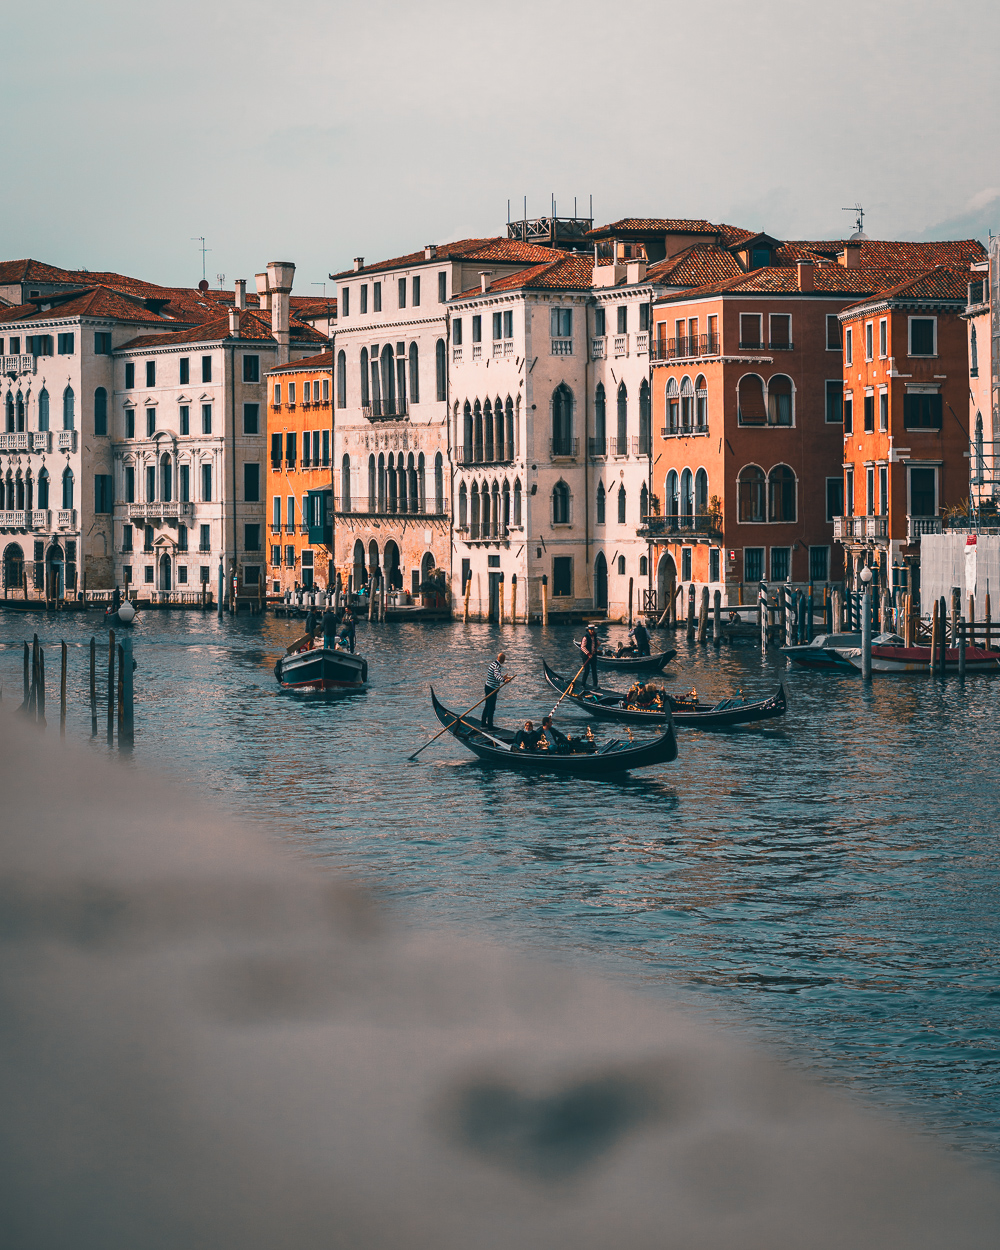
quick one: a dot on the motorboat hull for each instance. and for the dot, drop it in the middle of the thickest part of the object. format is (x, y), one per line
(322, 669)
(918, 659)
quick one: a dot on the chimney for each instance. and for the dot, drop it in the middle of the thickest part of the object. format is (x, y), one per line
(280, 274)
(241, 292)
(262, 292)
(234, 323)
(850, 257)
(359, 263)
(484, 279)
(430, 251)
(804, 269)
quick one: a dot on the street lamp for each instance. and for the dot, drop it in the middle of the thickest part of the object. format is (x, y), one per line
(866, 576)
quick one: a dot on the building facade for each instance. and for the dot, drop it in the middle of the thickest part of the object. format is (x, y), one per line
(982, 317)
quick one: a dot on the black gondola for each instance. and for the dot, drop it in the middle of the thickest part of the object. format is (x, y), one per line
(493, 746)
(686, 714)
(635, 663)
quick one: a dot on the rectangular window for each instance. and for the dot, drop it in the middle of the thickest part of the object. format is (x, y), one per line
(185, 419)
(713, 555)
(508, 325)
(251, 418)
(150, 483)
(251, 482)
(103, 493)
(129, 375)
(184, 370)
(206, 483)
(819, 564)
(206, 418)
(869, 412)
(834, 497)
(182, 538)
(150, 422)
(497, 326)
(883, 338)
(363, 308)
(870, 501)
(835, 402)
(205, 540)
(883, 410)
(65, 344)
(290, 515)
(848, 492)
(277, 394)
(102, 343)
(326, 448)
(869, 340)
(307, 392)
(150, 372)
(685, 564)
(326, 390)
(276, 556)
(750, 330)
(849, 346)
(185, 483)
(456, 331)
(345, 302)
(206, 368)
(401, 285)
(276, 512)
(442, 287)
(923, 491)
(780, 563)
(376, 296)
(753, 564)
(127, 538)
(101, 412)
(644, 325)
(600, 323)
(848, 414)
(290, 450)
(923, 336)
(182, 573)
(275, 451)
(251, 368)
(561, 322)
(622, 318)
(781, 331)
(562, 576)
(129, 484)
(922, 412)
(126, 574)
(290, 556)
(15, 346)
(203, 573)
(251, 538)
(149, 574)
(291, 393)
(833, 339)
(130, 423)
(477, 329)
(415, 291)
(883, 490)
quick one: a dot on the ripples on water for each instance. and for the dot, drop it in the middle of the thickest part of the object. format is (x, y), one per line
(828, 881)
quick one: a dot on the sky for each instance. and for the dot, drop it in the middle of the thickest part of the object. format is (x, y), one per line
(318, 130)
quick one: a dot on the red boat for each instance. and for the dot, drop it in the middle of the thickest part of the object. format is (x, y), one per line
(918, 659)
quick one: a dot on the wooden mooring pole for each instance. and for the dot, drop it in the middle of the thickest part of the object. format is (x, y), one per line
(500, 598)
(111, 687)
(93, 687)
(513, 598)
(126, 729)
(703, 617)
(961, 647)
(690, 615)
(62, 693)
(545, 599)
(866, 634)
(943, 633)
(27, 675)
(41, 686)
(717, 618)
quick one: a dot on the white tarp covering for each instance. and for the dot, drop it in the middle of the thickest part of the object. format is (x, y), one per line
(948, 560)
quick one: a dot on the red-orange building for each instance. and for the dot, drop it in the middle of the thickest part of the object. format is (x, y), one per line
(906, 420)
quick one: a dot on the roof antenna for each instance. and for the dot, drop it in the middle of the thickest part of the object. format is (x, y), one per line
(322, 284)
(220, 278)
(859, 217)
(200, 238)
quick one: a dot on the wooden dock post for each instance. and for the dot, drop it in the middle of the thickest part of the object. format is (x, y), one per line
(866, 634)
(783, 618)
(121, 692)
(27, 675)
(961, 647)
(986, 618)
(500, 598)
(93, 687)
(40, 704)
(33, 688)
(690, 614)
(111, 687)
(762, 618)
(545, 599)
(513, 598)
(956, 607)
(943, 633)
(827, 611)
(935, 626)
(809, 616)
(717, 618)
(907, 621)
(126, 724)
(62, 692)
(468, 591)
(630, 581)
(703, 616)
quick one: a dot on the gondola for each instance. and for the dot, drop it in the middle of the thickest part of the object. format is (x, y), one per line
(635, 663)
(493, 746)
(322, 670)
(686, 714)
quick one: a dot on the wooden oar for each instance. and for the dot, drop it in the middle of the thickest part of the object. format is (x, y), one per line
(460, 718)
(569, 687)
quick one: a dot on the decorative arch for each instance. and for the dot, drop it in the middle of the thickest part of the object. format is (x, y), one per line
(672, 402)
(687, 497)
(561, 500)
(781, 502)
(372, 487)
(498, 429)
(645, 435)
(477, 432)
(602, 504)
(751, 405)
(700, 493)
(43, 489)
(360, 573)
(517, 501)
(600, 583)
(701, 402)
(622, 505)
(388, 361)
(508, 421)
(43, 409)
(979, 469)
(780, 400)
(439, 483)
(562, 421)
(671, 496)
(13, 566)
(67, 488)
(621, 429)
(414, 356)
(345, 484)
(687, 403)
(342, 389)
(488, 453)
(600, 423)
(463, 507)
(20, 425)
(100, 411)
(69, 409)
(751, 493)
(440, 364)
(365, 390)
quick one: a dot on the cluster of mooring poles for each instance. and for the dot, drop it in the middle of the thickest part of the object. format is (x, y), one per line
(120, 690)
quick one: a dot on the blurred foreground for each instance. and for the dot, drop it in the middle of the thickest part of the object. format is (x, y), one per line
(206, 1043)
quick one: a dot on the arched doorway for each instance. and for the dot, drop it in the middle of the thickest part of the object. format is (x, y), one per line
(426, 566)
(666, 581)
(13, 567)
(359, 574)
(393, 574)
(601, 583)
(166, 572)
(54, 573)
(373, 562)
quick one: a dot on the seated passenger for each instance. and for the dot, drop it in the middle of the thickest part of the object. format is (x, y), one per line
(551, 738)
(526, 739)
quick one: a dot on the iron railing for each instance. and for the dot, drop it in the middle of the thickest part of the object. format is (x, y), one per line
(687, 347)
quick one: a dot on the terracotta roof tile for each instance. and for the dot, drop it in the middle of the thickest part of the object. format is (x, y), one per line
(939, 283)
(254, 325)
(654, 225)
(308, 364)
(32, 271)
(566, 272)
(98, 301)
(695, 266)
(509, 251)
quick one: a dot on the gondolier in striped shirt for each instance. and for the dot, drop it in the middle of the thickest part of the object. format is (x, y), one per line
(495, 678)
(588, 653)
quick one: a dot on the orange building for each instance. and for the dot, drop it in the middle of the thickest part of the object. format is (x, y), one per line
(300, 498)
(906, 421)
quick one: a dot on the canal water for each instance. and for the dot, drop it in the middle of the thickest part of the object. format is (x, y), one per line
(827, 883)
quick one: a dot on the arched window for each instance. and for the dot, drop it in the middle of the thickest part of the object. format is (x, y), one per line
(750, 398)
(498, 428)
(562, 421)
(600, 503)
(973, 355)
(495, 512)
(342, 378)
(43, 409)
(508, 422)
(621, 505)
(43, 489)
(751, 489)
(345, 484)
(484, 509)
(645, 442)
(166, 479)
(687, 497)
(517, 501)
(600, 421)
(439, 483)
(643, 502)
(392, 483)
(687, 404)
(439, 362)
(505, 503)
(488, 432)
(20, 412)
(643, 566)
(381, 482)
(477, 425)
(372, 484)
(19, 491)
(779, 400)
(365, 392)
(700, 492)
(621, 566)
(560, 503)
(100, 411)
(979, 472)
(9, 406)
(622, 427)
(781, 494)
(474, 518)
(463, 507)
(414, 374)
(468, 444)
(421, 484)
(388, 381)
(671, 496)
(69, 410)
(701, 402)
(672, 400)
(67, 488)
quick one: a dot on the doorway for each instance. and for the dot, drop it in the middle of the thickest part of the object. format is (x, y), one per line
(601, 583)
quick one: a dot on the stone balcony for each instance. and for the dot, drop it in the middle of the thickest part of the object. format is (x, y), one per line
(167, 510)
(36, 519)
(26, 440)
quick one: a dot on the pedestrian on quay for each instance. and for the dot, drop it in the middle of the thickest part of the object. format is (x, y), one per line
(495, 678)
(588, 649)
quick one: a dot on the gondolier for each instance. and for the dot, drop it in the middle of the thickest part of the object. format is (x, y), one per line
(588, 650)
(495, 678)
(640, 636)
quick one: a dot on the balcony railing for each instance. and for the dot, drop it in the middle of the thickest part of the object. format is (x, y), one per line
(429, 507)
(682, 527)
(170, 508)
(41, 440)
(563, 448)
(67, 440)
(687, 347)
(642, 343)
(477, 351)
(66, 519)
(597, 348)
(391, 409)
(621, 345)
(41, 519)
(485, 455)
(14, 442)
(562, 347)
(15, 520)
(862, 527)
(916, 526)
(628, 446)
(597, 447)
(487, 532)
(683, 431)
(456, 355)
(17, 364)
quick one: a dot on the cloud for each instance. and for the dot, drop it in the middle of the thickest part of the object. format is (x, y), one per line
(978, 220)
